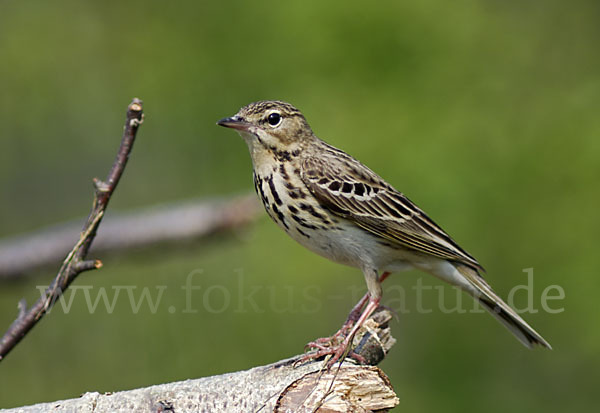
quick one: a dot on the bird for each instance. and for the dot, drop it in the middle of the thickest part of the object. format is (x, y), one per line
(335, 206)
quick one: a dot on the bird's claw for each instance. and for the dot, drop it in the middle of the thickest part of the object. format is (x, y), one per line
(337, 353)
(336, 346)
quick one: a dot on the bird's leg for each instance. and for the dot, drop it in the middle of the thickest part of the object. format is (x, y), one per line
(356, 318)
(343, 347)
(357, 310)
(348, 324)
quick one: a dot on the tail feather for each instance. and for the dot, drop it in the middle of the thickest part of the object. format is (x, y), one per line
(501, 311)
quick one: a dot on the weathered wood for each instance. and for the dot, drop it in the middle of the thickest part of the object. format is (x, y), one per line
(279, 387)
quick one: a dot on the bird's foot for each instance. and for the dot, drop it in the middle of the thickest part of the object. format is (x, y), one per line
(336, 347)
(339, 346)
(351, 321)
(337, 338)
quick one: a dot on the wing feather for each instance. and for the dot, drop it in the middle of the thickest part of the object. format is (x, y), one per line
(367, 200)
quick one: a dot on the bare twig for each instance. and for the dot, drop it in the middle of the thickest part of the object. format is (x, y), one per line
(75, 263)
(279, 387)
(170, 223)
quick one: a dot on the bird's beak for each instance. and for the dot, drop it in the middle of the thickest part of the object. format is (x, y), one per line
(234, 122)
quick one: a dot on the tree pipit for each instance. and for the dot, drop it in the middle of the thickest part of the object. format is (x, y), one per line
(338, 208)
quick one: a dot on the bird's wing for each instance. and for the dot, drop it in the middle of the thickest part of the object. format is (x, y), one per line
(351, 190)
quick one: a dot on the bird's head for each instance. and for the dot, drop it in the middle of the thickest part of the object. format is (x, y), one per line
(270, 125)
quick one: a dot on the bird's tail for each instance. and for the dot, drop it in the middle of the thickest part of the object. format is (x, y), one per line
(499, 309)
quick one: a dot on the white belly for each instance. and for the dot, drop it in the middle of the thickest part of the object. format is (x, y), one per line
(344, 244)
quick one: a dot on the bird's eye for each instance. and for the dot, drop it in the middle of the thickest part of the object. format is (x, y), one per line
(274, 119)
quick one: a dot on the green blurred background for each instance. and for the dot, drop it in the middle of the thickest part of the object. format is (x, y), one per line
(485, 112)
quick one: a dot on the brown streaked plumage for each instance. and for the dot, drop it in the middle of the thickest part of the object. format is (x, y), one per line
(337, 207)
(365, 199)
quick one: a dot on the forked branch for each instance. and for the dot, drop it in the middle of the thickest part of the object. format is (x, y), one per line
(75, 263)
